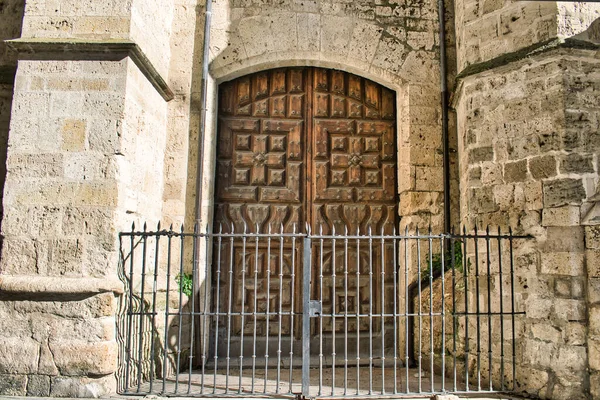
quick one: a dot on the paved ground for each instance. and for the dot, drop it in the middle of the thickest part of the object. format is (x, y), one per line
(340, 382)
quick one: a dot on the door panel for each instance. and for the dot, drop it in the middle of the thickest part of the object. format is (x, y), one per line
(306, 145)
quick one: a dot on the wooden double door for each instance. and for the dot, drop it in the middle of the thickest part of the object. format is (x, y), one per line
(300, 146)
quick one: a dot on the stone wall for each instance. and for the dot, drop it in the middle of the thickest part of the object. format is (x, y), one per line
(488, 30)
(11, 18)
(528, 138)
(85, 159)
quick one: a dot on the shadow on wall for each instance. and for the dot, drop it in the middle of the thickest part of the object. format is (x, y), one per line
(154, 321)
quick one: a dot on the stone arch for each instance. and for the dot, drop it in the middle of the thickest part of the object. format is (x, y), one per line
(250, 38)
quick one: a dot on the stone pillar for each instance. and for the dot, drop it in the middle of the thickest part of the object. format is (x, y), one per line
(86, 146)
(528, 145)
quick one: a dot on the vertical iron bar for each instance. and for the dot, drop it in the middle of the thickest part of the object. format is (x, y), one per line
(306, 264)
(466, 275)
(489, 307)
(205, 311)
(406, 310)
(180, 307)
(229, 307)
(395, 316)
(142, 290)
(443, 350)
(501, 311)
(370, 311)
(454, 321)
(193, 301)
(382, 266)
(268, 291)
(512, 307)
(280, 306)
(218, 306)
(130, 308)
(153, 322)
(357, 312)
(165, 343)
(204, 330)
(255, 308)
(321, 314)
(242, 319)
(292, 312)
(345, 310)
(431, 355)
(478, 309)
(333, 309)
(420, 312)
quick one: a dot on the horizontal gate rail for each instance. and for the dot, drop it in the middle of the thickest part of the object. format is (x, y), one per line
(321, 314)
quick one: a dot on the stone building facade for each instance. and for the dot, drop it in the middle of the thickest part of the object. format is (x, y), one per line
(100, 114)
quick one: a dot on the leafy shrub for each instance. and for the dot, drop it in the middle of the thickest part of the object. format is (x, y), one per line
(185, 282)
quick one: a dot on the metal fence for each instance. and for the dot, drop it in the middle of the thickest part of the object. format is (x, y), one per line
(314, 314)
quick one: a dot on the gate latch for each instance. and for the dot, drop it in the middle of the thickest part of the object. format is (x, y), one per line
(314, 308)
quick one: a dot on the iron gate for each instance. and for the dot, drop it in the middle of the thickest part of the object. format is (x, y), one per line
(438, 316)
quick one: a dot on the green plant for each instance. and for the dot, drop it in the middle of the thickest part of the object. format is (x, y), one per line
(434, 266)
(186, 284)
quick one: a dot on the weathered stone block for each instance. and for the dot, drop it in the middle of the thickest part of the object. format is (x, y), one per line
(19, 355)
(562, 287)
(575, 333)
(82, 386)
(562, 263)
(38, 386)
(533, 195)
(573, 358)
(83, 358)
(592, 237)
(35, 165)
(480, 154)
(546, 332)
(593, 263)
(515, 171)
(595, 385)
(13, 385)
(538, 308)
(593, 290)
(564, 238)
(570, 310)
(561, 216)
(481, 200)
(542, 167)
(594, 354)
(594, 320)
(539, 354)
(562, 192)
(576, 163)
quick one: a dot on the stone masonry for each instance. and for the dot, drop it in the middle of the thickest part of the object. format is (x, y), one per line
(100, 122)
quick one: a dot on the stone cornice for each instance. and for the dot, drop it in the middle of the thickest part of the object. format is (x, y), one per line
(81, 49)
(36, 285)
(516, 56)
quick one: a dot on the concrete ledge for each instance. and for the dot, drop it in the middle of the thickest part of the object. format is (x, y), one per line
(37, 285)
(78, 49)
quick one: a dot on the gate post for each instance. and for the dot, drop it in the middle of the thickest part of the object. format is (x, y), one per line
(306, 272)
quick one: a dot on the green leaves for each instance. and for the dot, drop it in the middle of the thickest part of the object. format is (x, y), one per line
(436, 262)
(185, 282)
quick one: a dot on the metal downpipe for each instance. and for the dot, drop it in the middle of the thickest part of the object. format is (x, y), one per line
(203, 98)
(200, 169)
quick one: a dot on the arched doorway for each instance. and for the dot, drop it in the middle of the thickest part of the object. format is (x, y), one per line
(298, 148)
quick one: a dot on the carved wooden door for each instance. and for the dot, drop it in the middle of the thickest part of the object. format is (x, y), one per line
(304, 145)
